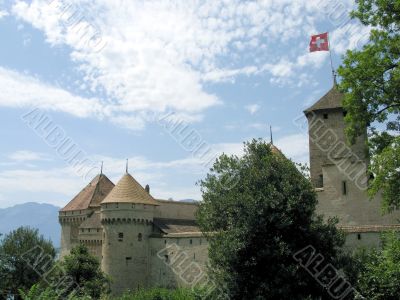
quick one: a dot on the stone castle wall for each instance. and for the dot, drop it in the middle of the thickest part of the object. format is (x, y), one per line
(328, 143)
(70, 222)
(178, 262)
(175, 210)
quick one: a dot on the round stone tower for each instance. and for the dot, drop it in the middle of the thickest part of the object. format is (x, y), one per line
(127, 216)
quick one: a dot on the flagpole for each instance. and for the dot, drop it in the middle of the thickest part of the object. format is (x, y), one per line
(330, 56)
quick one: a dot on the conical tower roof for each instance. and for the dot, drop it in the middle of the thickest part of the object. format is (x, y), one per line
(331, 100)
(91, 195)
(128, 190)
(275, 150)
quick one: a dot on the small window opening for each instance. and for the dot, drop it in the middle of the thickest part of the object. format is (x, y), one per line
(321, 181)
(139, 237)
(325, 116)
(120, 236)
(359, 236)
(191, 242)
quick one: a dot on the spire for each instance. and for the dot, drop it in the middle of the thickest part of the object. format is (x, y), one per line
(101, 168)
(334, 78)
(270, 131)
(127, 162)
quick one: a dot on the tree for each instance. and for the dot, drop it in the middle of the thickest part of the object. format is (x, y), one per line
(256, 226)
(379, 270)
(84, 270)
(23, 254)
(370, 79)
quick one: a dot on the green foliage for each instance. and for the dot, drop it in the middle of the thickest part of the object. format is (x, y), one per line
(379, 270)
(23, 252)
(255, 226)
(162, 294)
(38, 292)
(386, 168)
(371, 81)
(84, 270)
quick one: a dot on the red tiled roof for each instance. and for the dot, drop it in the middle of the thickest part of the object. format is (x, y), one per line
(91, 195)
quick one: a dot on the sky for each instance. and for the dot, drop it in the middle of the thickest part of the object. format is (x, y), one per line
(167, 84)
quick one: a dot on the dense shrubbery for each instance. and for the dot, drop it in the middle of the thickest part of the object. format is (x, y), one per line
(20, 252)
(36, 293)
(378, 270)
(163, 294)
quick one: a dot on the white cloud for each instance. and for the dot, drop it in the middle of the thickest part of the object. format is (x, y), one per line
(157, 55)
(350, 36)
(39, 183)
(252, 108)
(26, 155)
(258, 126)
(218, 75)
(295, 147)
(19, 90)
(3, 14)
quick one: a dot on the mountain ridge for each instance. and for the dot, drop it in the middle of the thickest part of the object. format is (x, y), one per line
(41, 216)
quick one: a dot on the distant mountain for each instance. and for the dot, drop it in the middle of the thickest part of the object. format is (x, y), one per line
(40, 216)
(188, 200)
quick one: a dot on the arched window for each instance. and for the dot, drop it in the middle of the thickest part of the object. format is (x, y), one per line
(139, 237)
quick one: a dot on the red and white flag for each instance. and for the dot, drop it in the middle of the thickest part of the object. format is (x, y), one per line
(319, 42)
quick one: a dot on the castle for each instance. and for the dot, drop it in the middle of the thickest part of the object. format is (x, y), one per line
(135, 236)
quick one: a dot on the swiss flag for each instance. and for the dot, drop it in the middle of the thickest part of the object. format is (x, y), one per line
(319, 42)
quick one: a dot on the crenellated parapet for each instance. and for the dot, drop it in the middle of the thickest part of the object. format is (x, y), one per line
(110, 221)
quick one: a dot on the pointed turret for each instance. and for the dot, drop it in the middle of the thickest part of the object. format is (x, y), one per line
(128, 190)
(92, 195)
(331, 100)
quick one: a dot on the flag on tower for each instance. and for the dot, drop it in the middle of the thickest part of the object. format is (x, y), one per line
(319, 42)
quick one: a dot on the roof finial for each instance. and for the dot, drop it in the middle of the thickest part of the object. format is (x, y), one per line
(334, 78)
(127, 161)
(270, 131)
(101, 169)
